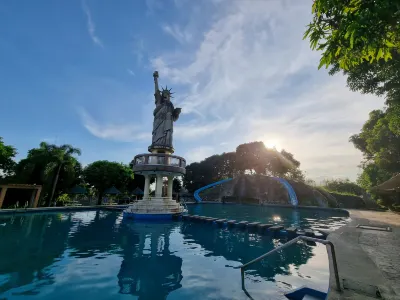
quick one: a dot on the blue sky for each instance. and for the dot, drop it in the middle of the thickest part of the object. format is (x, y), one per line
(80, 72)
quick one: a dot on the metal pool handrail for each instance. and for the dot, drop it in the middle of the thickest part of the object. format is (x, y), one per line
(291, 242)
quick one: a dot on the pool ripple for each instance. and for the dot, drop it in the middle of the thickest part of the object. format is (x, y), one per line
(95, 255)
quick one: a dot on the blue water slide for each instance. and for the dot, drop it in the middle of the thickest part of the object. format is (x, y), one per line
(196, 192)
(284, 182)
(290, 190)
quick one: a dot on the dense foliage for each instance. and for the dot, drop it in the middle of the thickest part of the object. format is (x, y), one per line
(57, 170)
(343, 186)
(362, 39)
(104, 174)
(351, 32)
(380, 146)
(52, 166)
(7, 154)
(250, 158)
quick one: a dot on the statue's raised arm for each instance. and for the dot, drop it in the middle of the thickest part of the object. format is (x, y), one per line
(157, 93)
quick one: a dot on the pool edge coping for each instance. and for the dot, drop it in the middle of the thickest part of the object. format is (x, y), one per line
(61, 209)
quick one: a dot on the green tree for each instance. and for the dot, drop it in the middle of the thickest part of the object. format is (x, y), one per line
(354, 31)
(176, 185)
(52, 166)
(372, 175)
(60, 157)
(361, 38)
(380, 146)
(378, 143)
(253, 158)
(104, 174)
(7, 163)
(342, 186)
(194, 177)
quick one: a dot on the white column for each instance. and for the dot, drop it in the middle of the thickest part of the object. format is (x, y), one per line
(159, 185)
(146, 187)
(170, 181)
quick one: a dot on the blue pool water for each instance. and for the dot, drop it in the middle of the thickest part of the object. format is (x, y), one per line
(98, 255)
(303, 218)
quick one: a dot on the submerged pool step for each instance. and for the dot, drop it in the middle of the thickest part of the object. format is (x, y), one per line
(253, 226)
(220, 222)
(231, 223)
(275, 228)
(208, 220)
(242, 224)
(261, 228)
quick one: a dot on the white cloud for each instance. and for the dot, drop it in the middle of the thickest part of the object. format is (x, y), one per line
(253, 67)
(117, 132)
(193, 130)
(90, 25)
(153, 5)
(130, 72)
(250, 76)
(199, 153)
(138, 49)
(182, 36)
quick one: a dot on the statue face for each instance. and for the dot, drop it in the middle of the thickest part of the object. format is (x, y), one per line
(165, 96)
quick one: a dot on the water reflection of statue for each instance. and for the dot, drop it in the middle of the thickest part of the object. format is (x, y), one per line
(164, 116)
(149, 269)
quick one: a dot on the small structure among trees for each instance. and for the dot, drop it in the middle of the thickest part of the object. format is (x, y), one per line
(34, 199)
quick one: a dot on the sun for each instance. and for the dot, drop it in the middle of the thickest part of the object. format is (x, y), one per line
(272, 144)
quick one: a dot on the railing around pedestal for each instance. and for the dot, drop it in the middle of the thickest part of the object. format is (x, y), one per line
(159, 159)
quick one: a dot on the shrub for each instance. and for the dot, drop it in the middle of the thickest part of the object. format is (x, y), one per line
(63, 199)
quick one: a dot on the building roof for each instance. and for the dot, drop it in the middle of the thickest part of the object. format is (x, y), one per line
(78, 190)
(21, 186)
(138, 192)
(112, 191)
(391, 185)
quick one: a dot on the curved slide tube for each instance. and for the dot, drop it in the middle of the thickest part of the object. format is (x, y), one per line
(290, 190)
(196, 192)
(284, 182)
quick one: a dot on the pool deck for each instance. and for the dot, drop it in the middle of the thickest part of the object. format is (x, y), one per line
(367, 259)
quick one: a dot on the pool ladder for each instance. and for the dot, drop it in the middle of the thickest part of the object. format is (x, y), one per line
(291, 242)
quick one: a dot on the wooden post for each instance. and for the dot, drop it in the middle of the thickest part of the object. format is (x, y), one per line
(32, 200)
(39, 190)
(3, 194)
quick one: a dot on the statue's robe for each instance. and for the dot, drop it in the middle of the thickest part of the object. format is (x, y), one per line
(163, 125)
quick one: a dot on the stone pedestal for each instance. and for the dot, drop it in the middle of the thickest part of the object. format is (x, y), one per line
(160, 205)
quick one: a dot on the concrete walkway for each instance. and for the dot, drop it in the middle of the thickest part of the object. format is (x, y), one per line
(368, 260)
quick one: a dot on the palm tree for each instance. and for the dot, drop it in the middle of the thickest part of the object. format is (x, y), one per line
(59, 156)
(47, 165)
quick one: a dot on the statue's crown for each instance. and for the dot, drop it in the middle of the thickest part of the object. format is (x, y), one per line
(167, 91)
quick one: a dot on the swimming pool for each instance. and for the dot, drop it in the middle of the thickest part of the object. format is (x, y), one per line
(98, 255)
(317, 219)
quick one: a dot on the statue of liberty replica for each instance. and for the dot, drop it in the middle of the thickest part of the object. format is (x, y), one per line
(159, 163)
(164, 117)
